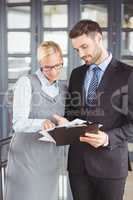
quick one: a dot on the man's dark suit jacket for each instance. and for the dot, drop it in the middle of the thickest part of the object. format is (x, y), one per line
(114, 110)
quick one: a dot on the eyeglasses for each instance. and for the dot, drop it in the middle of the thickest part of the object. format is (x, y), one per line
(49, 68)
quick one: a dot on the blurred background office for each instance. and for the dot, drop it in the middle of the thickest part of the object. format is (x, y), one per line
(25, 23)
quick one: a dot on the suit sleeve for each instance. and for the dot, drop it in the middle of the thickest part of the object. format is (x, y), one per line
(119, 135)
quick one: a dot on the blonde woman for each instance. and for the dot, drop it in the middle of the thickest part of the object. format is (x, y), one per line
(33, 165)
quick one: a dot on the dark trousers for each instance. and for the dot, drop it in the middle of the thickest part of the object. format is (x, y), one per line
(85, 187)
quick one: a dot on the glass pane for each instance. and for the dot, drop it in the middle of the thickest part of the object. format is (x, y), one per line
(129, 62)
(63, 75)
(105, 39)
(58, 36)
(17, 15)
(127, 17)
(65, 62)
(55, 16)
(97, 13)
(11, 86)
(18, 67)
(18, 42)
(9, 98)
(55, 0)
(18, 1)
(127, 43)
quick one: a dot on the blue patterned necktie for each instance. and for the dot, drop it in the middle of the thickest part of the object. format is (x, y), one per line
(91, 95)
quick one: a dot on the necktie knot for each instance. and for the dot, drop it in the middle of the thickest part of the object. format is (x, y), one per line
(96, 69)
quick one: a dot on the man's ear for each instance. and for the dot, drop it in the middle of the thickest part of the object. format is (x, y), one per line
(98, 37)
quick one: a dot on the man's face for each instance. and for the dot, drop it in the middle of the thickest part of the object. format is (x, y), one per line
(88, 47)
(51, 66)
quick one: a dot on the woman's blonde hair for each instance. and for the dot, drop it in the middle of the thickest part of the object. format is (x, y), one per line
(47, 48)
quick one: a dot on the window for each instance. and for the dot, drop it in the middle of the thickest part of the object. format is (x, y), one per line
(18, 14)
(17, 1)
(18, 67)
(53, 14)
(127, 30)
(18, 42)
(97, 12)
(18, 39)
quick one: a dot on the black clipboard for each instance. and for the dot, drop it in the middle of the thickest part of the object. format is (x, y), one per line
(70, 135)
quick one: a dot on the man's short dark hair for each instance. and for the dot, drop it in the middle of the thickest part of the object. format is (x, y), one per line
(85, 27)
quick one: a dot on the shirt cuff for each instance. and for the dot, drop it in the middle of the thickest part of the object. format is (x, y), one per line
(106, 141)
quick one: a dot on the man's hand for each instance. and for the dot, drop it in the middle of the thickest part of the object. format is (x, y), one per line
(60, 120)
(47, 124)
(96, 140)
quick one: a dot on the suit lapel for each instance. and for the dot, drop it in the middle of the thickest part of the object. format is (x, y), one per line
(107, 80)
(109, 74)
(82, 75)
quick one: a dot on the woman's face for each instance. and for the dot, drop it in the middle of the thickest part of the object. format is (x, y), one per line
(51, 66)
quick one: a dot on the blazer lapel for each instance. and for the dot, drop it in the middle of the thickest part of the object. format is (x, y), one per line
(81, 79)
(107, 79)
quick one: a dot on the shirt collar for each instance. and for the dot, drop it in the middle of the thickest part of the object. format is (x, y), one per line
(44, 80)
(103, 65)
(105, 62)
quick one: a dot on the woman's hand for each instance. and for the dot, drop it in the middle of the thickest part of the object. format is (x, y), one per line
(47, 124)
(60, 120)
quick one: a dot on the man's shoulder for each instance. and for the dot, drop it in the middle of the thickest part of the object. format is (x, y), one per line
(122, 65)
(122, 71)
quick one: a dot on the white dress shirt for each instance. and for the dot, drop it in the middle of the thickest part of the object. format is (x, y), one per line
(22, 101)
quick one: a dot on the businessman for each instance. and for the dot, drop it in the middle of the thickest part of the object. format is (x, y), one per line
(98, 92)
